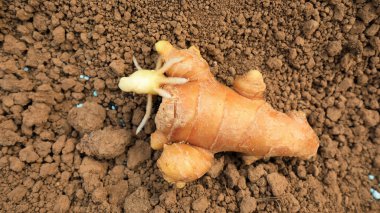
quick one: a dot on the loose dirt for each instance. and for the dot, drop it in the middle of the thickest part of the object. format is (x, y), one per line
(66, 140)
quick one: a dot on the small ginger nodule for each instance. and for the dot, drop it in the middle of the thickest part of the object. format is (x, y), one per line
(199, 117)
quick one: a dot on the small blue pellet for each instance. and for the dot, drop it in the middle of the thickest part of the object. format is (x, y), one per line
(86, 78)
(95, 93)
(112, 106)
(26, 69)
(375, 193)
(371, 177)
(79, 105)
(81, 76)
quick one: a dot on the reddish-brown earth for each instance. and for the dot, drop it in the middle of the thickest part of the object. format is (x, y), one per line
(321, 57)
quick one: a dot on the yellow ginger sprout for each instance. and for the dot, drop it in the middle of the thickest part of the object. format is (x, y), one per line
(149, 82)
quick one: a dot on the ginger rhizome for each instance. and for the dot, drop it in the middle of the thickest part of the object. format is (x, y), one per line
(202, 117)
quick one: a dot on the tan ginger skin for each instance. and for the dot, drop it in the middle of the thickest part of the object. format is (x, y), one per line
(204, 117)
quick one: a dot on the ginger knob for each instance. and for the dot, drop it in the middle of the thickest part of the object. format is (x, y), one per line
(250, 85)
(182, 163)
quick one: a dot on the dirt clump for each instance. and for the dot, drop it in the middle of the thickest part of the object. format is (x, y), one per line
(107, 143)
(62, 204)
(88, 118)
(17, 194)
(138, 201)
(232, 175)
(48, 169)
(9, 138)
(36, 115)
(9, 83)
(334, 48)
(28, 155)
(216, 168)
(310, 27)
(71, 70)
(13, 46)
(277, 183)
(99, 195)
(16, 164)
(138, 153)
(200, 204)
(255, 173)
(248, 205)
(118, 67)
(168, 198)
(117, 193)
(92, 172)
(59, 35)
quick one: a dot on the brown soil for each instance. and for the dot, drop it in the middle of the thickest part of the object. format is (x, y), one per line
(319, 57)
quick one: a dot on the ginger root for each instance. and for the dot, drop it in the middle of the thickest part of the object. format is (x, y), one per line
(202, 117)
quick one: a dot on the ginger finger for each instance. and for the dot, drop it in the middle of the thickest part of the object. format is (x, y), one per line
(250, 85)
(163, 47)
(157, 140)
(192, 67)
(182, 163)
(195, 50)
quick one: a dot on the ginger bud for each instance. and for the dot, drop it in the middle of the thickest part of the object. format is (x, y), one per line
(149, 82)
(142, 82)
